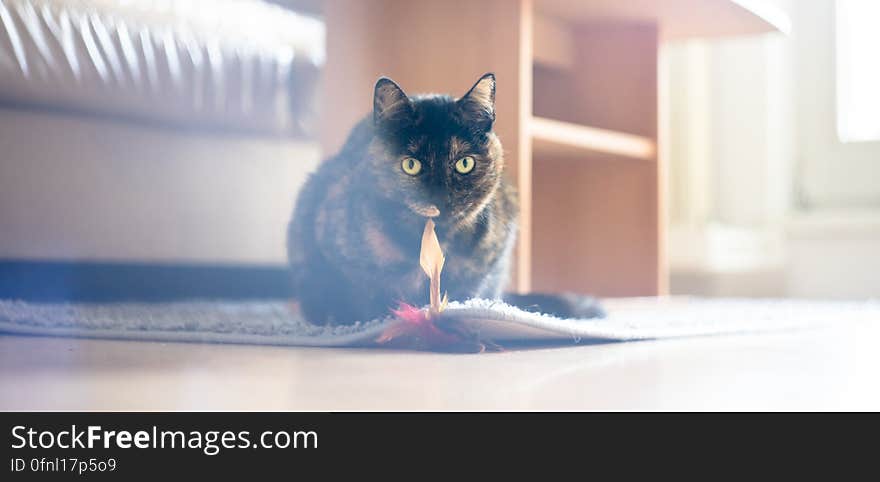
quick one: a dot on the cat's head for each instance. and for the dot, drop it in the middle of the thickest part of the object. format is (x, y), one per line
(434, 154)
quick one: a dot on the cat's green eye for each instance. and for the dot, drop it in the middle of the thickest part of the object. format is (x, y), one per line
(411, 166)
(465, 165)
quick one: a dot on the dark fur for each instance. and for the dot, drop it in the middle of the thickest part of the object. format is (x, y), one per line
(355, 235)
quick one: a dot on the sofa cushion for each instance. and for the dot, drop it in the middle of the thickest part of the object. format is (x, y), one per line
(228, 64)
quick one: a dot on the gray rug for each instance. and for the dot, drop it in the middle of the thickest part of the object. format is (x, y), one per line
(272, 323)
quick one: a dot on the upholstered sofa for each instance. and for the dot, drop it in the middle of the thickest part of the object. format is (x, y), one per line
(143, 132)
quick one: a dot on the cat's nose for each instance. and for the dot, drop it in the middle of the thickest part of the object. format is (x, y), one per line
(432, 211)
(426, 210)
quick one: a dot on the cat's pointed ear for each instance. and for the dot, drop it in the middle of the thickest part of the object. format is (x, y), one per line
(390, 102)
(478, 105)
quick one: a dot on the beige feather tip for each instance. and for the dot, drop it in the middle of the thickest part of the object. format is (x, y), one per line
(431, 259)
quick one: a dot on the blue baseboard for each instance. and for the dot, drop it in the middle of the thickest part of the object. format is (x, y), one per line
(111, 281)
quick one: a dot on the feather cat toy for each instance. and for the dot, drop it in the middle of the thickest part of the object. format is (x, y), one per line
(425, 327)
(431, 260)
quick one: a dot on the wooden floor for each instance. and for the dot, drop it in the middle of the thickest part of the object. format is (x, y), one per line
(809, 370)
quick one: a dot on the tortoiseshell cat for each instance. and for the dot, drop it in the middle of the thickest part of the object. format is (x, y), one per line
(354, 239)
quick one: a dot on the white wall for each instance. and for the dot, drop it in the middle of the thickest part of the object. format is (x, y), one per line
(834, 254)
(731, 142)
(752, 130)
(84, 188)
(832, 175)
(765, 200)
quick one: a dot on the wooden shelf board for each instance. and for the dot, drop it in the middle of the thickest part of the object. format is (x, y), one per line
(677, 19)
(559, 139)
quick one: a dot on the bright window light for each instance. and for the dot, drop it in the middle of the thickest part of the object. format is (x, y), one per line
(858, 70)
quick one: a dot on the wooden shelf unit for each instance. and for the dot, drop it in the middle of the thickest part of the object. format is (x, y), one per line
(576, 111)
(558, 139)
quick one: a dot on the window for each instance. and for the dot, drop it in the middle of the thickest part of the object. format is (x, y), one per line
(858, 70)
